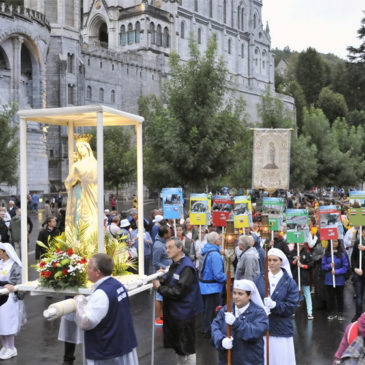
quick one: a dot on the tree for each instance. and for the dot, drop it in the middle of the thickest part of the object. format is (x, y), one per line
(356, 117)
(295, 90)
(9, 143)
(358, 54)
(333, 104)
(309, 74)
(273, 112)
(191, 140)
(120, 161)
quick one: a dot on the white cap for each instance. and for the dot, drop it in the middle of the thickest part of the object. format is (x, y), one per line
(124, 223)
(158, 219)
(248, 285)
(106, 211)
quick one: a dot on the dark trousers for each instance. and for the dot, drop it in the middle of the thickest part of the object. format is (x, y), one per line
(335, 295)
(211, 301)
(359, 284)
(69, 352)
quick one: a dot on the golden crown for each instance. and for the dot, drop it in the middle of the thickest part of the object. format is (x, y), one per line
(83, 137)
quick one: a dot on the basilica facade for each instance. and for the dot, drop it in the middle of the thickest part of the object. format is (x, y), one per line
(57, 53)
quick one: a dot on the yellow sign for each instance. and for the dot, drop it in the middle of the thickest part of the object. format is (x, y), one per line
(242, 212)
(199, 209)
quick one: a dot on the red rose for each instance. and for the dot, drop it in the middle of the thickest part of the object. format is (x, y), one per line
(83, 260)
(55, 264)
(70, 252)
(42, 264)
(47, 274)
(42, 273)
(58, 250)
(64, 271)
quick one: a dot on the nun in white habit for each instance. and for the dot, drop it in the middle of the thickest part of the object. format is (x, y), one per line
(282, 303)
(12, 314)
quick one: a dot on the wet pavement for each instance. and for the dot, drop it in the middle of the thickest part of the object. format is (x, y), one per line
(315, 341)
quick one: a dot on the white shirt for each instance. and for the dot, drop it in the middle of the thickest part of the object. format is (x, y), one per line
(91, 310)
(239, 311)
(274, 279)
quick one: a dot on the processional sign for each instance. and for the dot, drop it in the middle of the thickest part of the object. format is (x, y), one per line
(271, 159)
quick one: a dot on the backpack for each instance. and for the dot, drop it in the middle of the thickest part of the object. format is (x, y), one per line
(202, 260)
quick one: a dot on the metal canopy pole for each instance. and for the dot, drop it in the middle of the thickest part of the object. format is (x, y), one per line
(140, 199)
(100, 165)
(23, 198)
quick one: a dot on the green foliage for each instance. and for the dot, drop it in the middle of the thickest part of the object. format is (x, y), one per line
(294, 89)
(303, 162)
(273, 112)
(310, 74)
(9, 143)
(120, 161)
(358, 53)
(356, 117)
(333, 104)
(191, 141)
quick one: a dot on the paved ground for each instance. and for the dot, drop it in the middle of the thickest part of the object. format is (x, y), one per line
(315, 341)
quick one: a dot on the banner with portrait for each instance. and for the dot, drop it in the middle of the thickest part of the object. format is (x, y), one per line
(172, 203)
(199, 209)
(274, 209)
(271, 159)
(242, 212)
(357, 208)
(222, 209)
(296, 225)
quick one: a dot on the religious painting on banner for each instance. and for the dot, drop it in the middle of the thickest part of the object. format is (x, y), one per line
(271, 159)
(172, 203)
(222, 210)
(357, 208)
(296, 225)
(199, 209)
(274, 209)
(242, 212)
(329, 222)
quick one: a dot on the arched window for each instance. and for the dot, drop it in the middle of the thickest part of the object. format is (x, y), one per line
(211, 8)
(89, 93)
(112, 96)
(182, 30)
(254, 21)
(196, 5)
(153, 33)
(123, 36)
(70, 94)
(130, 34)
(263, 60)
(232, 17)
(239, 17)
(159, 36)
(229, 46)
(101, 94)
(242, 50)
(138, 32)
(224, 11)
(257, 53)
(243, 18)
(199, 36)
(165, 38)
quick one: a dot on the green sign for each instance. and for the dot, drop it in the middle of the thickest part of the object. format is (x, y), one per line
(296, 225)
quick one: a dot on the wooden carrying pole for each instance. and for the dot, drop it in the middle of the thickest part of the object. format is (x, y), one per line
(229, 354)
(266, 295)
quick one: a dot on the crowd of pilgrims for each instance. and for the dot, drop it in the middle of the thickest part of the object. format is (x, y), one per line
(253, 311)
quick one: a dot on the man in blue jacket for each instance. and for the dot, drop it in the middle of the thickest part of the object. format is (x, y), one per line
(182, 302)
(211, 278)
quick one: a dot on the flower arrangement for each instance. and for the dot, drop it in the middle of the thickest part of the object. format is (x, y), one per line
(62, 269)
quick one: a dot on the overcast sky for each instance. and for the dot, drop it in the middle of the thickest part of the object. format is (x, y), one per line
(327, 25)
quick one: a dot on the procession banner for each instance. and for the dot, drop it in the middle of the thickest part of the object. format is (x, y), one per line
(329, 222)
(242, 212)
(357, 208)
(199, 209)
(222, 210)
(172, 203)
(271, 159)
(274, 208)
(296, 225)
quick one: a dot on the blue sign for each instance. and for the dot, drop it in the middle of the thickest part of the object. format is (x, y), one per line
(172, 203)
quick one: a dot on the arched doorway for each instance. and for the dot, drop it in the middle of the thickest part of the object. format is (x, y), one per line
(26, 75)
(103, 35)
